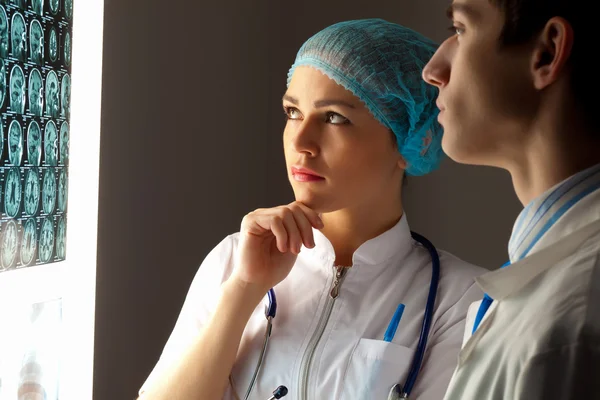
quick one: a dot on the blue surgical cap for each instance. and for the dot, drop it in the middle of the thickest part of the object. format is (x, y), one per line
(381, 63)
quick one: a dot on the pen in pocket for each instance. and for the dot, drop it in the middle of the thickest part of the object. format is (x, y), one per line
(393, 326)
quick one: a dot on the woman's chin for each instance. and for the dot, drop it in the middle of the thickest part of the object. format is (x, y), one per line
(318, 203)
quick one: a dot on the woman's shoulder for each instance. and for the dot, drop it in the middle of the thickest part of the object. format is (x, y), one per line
(458, 287)
(453, 266)
(218, 264)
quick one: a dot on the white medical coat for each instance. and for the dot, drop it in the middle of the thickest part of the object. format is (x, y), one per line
(540, 339)
(351, 360)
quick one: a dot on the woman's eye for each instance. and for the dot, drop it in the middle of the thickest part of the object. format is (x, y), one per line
(336, 119)
(292, 113)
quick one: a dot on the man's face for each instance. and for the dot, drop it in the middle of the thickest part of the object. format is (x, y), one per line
(486, 96)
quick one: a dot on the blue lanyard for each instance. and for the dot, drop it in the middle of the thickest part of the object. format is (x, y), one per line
(484, 306)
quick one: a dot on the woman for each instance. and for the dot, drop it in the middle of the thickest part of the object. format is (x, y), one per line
(340, 258)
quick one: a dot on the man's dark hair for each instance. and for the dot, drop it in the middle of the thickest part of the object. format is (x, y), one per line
(524, 19)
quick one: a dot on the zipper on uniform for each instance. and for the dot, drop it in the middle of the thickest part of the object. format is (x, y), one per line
(338, 279)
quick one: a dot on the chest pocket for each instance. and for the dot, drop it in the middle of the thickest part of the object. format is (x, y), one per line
(374, 367)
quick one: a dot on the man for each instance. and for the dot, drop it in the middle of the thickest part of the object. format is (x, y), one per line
(517, 90)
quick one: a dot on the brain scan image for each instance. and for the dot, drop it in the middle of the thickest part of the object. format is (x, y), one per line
(69, 8)
(17, 90)
(53, 45)
(18, 33)
(36, 42)
(32, 192)
(36, 93)
(46, 245)
(61, 238)
(9, 244)
(1, 138)
(4, 36)
(28, 242)
(15, 143)
(52, 96)
(66, 96)
(54, 6)
(2, 82)
(34, 144)
(38, 6)
(64, 143)
(49, 192)
(51, 144)
(67, 49)
(62, 191)
(13, 191)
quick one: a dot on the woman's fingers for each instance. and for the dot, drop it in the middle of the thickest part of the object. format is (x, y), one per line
(291, 225)
(277, 227)
(293, 230)
(310, 214)
(304, 226)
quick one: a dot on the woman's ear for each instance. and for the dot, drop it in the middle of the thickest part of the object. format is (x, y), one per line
(402, 164)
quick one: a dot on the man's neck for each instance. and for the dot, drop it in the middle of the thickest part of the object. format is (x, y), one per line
(551, 155)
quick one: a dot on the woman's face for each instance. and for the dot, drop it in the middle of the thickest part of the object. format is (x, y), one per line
(330, 132)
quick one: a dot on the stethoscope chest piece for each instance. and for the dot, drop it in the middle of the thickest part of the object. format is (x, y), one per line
(396, 393)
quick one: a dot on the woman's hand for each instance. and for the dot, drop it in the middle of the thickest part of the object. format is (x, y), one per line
(270, 241)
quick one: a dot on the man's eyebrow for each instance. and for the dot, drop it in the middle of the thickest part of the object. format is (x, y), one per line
(460, 8)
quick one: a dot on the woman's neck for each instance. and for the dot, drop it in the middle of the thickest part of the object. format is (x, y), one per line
(348, 229)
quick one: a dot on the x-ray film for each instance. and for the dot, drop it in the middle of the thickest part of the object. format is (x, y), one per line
(35, 109)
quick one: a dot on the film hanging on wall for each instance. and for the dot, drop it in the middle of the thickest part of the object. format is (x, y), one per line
(35, 94)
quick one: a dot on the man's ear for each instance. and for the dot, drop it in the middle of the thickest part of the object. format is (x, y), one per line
(551, 52)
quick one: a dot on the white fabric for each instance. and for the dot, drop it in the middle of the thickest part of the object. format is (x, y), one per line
(546, 210)
(351, 360)
(540, 338)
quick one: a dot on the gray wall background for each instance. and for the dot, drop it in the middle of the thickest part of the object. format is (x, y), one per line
(191, 141)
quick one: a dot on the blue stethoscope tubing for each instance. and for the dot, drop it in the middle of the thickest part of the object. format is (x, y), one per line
(398, 391)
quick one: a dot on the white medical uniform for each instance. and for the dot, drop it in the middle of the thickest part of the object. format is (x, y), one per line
(350, 360)
(540, 339)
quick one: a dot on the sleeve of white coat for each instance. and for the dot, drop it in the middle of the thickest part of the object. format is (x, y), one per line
(441, 356)
(199, 304)
(565, 373)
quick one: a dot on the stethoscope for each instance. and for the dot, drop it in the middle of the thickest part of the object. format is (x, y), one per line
(397, 391)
